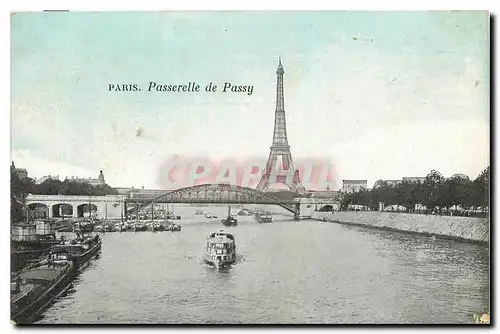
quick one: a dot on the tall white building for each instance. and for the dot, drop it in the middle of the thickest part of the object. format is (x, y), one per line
(99, 181)
(419, 179)
(351, 186)
(45, 178)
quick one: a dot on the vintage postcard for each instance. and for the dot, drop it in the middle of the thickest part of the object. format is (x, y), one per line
(250, 167)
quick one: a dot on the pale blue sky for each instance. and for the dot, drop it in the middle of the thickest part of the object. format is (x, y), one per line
(339, 103)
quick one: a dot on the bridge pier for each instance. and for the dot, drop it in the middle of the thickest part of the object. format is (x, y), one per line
(152, 211)
(50, 212)
(124, 211)
(296, 215)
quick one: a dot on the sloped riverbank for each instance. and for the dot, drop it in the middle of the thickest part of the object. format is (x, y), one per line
(470, 229)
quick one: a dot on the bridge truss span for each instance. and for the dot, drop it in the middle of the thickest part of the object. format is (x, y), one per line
(217, 194)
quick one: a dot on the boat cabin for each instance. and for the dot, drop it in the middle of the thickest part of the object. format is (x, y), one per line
(74, 247)
(45, 229)
(63, 252)
(221, 245)
(222, 234)
(23, 232)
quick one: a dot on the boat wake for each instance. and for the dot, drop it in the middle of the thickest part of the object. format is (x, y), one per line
(201, 260)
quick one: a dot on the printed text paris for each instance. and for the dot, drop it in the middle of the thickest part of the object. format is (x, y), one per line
(179, 88)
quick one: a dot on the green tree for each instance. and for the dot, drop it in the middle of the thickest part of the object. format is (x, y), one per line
(471, 196)
(67, 187)
(383, 192)
(48, 187)
(19, 189)
(388, 194)
(458, 188)
(408, 194)
(482, 189)
(432, 189)
(444, 198)
(345, 201)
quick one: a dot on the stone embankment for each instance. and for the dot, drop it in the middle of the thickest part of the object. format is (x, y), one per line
(470, 229)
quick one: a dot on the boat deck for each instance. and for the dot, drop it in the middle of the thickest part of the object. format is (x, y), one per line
(35, 277)
(220, 239)
(25, 289)
(44, 273)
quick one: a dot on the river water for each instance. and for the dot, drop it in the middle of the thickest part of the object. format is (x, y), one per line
(287, 272)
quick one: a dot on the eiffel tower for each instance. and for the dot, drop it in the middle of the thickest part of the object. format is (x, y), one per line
(287, 174)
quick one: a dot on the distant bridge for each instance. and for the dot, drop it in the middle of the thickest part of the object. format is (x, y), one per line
(212, 194)
(56, 206)
(119, 206)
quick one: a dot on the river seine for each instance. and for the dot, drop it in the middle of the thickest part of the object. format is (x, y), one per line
(287, 272)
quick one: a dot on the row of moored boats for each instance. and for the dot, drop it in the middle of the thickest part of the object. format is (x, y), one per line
(138, 227)
(35, 286)
(230, 220)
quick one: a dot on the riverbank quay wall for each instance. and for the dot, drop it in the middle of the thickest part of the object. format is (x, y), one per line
(470, 229)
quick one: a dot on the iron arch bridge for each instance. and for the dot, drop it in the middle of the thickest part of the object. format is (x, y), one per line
(214, 194)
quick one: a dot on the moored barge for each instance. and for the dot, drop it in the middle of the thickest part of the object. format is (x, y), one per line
(264, 217)
(79, 251)
(29, 241)
(32, 290)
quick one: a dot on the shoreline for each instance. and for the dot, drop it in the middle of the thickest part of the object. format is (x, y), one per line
(478, 233)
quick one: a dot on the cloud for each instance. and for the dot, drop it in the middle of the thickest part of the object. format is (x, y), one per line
(415, 149)
(39, 166)
(338, 103)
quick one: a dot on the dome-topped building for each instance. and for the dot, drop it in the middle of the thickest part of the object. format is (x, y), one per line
(101, 177)
(99, 181)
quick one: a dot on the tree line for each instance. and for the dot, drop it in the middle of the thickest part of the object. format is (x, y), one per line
(435, 193)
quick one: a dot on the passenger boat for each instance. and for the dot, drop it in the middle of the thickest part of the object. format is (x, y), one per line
(220, 250)
(209, 215)
(33, 289)
(229, 220)
(198, 212)
(264, 217)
